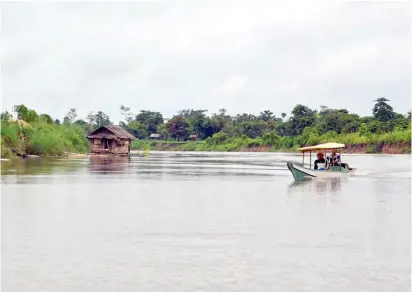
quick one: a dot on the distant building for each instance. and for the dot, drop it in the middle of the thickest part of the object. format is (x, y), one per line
(155, 136)
(110, 139)
(193, 137)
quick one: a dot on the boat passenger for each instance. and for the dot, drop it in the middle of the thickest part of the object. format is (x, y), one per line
(335, 160)
(321, 160)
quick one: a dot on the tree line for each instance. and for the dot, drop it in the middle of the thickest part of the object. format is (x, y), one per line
(294, 127)
(197, 122)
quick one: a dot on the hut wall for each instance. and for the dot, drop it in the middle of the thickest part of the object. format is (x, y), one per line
(97, 145)
(115, 147)
(122, 147)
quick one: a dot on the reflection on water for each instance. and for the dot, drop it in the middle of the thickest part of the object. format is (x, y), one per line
(204, 222)
(39, 166)
(319, 185)
(107, 164)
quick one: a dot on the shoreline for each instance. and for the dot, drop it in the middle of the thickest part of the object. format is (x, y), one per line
(383, 148)
(138, 153)
(378, 148)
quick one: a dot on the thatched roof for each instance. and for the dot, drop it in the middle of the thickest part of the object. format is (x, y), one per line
(110, 132)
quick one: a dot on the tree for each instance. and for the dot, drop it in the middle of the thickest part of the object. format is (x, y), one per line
(270, 138)
(163, 131)
(191, 113)
(81, 122)
(382, 111)
(210, 127)
(399, 122)
(375, 127)
(32, 116)
(123, 125)
(222, 119)
(71, 115)
(283, 115)
(336, 120)
(21, 111)
(6, 116)
(150, 119)
(351, 127)
(91, 118)
(66, 120)
(367, 120)
(217, 138)
(25, 114)
(101, 119)
(97, 120)
(302, 117)
(178, 128)
(198, 123)
(284, 129)
(252, 129)
(363, 129)
(222, 112)
(84, 125)
(46, 118)
(125, 111)
(137, 129)
(323, 109)
(196, 120)
(245, 118)
(266, 116)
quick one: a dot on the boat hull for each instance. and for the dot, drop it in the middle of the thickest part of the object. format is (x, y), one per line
(301, 173)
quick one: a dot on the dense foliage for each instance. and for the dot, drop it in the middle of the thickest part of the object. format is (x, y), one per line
(40, 134)
(304, 126)
(36, 134)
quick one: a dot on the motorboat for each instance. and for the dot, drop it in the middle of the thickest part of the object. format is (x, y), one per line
(325, 170)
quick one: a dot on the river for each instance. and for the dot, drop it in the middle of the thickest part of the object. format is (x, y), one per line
(204, 222)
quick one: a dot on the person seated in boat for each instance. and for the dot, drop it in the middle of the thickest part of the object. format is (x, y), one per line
(320, 163)
(335, 160)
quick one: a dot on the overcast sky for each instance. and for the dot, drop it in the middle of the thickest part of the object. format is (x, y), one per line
(245, 56)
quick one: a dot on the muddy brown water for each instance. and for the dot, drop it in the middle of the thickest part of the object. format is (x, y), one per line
(204, 222)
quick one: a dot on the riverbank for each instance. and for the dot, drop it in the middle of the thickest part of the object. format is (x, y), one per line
(386, 148)
(19, 138)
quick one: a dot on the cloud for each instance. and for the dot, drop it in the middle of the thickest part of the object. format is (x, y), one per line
(232, 85)
(245, 56)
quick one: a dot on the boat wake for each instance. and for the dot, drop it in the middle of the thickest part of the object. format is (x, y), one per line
(382, 174)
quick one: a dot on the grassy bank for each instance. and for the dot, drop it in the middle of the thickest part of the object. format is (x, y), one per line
(392, 142)
(41, 138)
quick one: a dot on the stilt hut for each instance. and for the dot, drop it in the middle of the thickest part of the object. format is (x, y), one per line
(110, 140)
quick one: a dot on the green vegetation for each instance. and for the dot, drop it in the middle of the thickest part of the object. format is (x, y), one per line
(219, 142)
(40, 134)
(304, 126)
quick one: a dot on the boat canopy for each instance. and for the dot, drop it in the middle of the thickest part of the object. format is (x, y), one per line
(325, 146)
